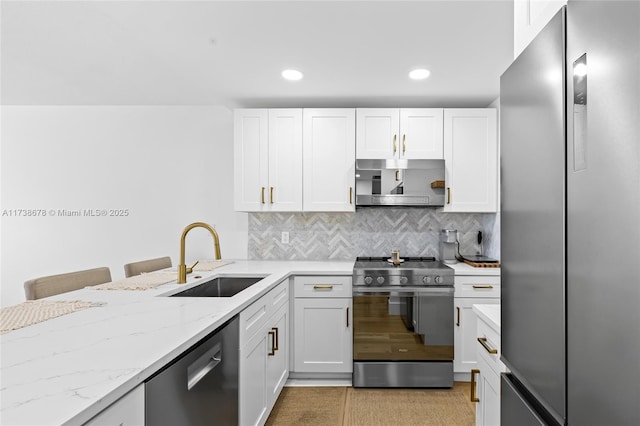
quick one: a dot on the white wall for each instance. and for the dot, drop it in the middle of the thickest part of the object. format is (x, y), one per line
(169, 166)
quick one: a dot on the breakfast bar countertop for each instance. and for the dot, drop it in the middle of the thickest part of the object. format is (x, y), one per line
(68, 369)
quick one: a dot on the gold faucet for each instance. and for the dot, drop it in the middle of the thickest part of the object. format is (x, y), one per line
(182, 268)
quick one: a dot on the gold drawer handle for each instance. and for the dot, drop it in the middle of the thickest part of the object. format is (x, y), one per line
(322, 287)
(482, 286)
(404, 144)
(271, 195)
(272, 352)
(483, 342)
(448, 195)
(262, 195)
(275, 329)
(395, 143)
(474, 398)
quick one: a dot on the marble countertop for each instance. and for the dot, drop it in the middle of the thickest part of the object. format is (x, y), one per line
(68, 369)
(490, 314)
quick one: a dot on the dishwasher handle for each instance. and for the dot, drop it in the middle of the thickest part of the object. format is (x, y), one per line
(204, 365)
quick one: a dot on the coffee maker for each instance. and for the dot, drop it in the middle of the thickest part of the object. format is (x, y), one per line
(449, 246)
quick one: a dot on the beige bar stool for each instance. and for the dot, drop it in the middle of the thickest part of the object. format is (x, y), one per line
(137, 268)
(51, 285)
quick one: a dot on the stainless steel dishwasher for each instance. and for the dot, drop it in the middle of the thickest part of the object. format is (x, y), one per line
(200, 387)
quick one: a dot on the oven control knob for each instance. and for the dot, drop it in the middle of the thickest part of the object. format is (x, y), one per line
(368, 280)
(438, 279)
(426, 280)
(380, 280)
(404, 280)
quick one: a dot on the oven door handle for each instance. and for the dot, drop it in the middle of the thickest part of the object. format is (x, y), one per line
(413, 290)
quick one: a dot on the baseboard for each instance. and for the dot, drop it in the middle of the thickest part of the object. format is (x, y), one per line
(319, 379)
(462, 377)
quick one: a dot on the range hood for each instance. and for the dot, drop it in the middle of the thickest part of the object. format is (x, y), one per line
(396, 182)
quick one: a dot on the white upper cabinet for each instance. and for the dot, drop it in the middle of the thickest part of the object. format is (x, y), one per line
(471, 160)
(250, 146)
(285, 159)
(529, 17)
(412, 133)
(421, 130)
(377, 132)
(329, 160)
(268, 159)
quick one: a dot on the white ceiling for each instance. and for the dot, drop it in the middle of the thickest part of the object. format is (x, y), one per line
(352, 53)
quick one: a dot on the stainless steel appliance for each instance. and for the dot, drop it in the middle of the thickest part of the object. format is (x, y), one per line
(397, 182)
(570, 133)
(402, 323)
(201, 386)
(449, 246)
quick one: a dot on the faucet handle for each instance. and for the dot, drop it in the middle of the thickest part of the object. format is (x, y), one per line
(190, 269)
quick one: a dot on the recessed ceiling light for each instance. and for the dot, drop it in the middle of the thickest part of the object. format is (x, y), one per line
(293, 75)
(419, 74)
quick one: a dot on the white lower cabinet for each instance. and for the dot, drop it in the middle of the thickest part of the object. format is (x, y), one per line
(264, 354)
(488, 396)
(127, 411)
(464, 336)
(487, 375)
(323, 325)
(470, 290)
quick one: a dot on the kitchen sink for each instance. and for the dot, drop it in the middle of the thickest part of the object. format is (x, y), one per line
(220, 287)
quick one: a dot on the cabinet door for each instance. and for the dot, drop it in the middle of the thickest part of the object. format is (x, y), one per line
(329, 160)
(250, 157)
(488, 392)
(465, 342)
(323, 336)
(377, 133)
(421, 134)
(471, 160)
(278, 363)
(254, 397)
(285, 160)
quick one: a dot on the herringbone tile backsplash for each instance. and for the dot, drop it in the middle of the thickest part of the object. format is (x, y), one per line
(369, 232)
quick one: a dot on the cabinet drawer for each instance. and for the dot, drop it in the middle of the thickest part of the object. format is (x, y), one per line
(492, 342)
(477, 286)
(322, 286)
(254, 316)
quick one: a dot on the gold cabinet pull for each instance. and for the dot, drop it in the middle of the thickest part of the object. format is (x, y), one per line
(404, 144)
(272, 352)
(485, 345)
(458, 320)
(395, 143)
(474, 397)
(271, 195)
(262, 195)
(397, 175)
(482, 286)
(448, 195)
(275, 330)
(347, 317)
(351, 195)
(322, 287)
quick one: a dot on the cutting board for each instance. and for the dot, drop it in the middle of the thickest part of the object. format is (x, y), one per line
(482, 264)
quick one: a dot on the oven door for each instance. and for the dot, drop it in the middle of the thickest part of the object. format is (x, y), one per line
(403, 337)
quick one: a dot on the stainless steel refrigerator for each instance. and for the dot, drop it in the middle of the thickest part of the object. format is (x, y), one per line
(570, 159)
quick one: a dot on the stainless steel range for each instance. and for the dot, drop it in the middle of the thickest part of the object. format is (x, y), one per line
(402, 323)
